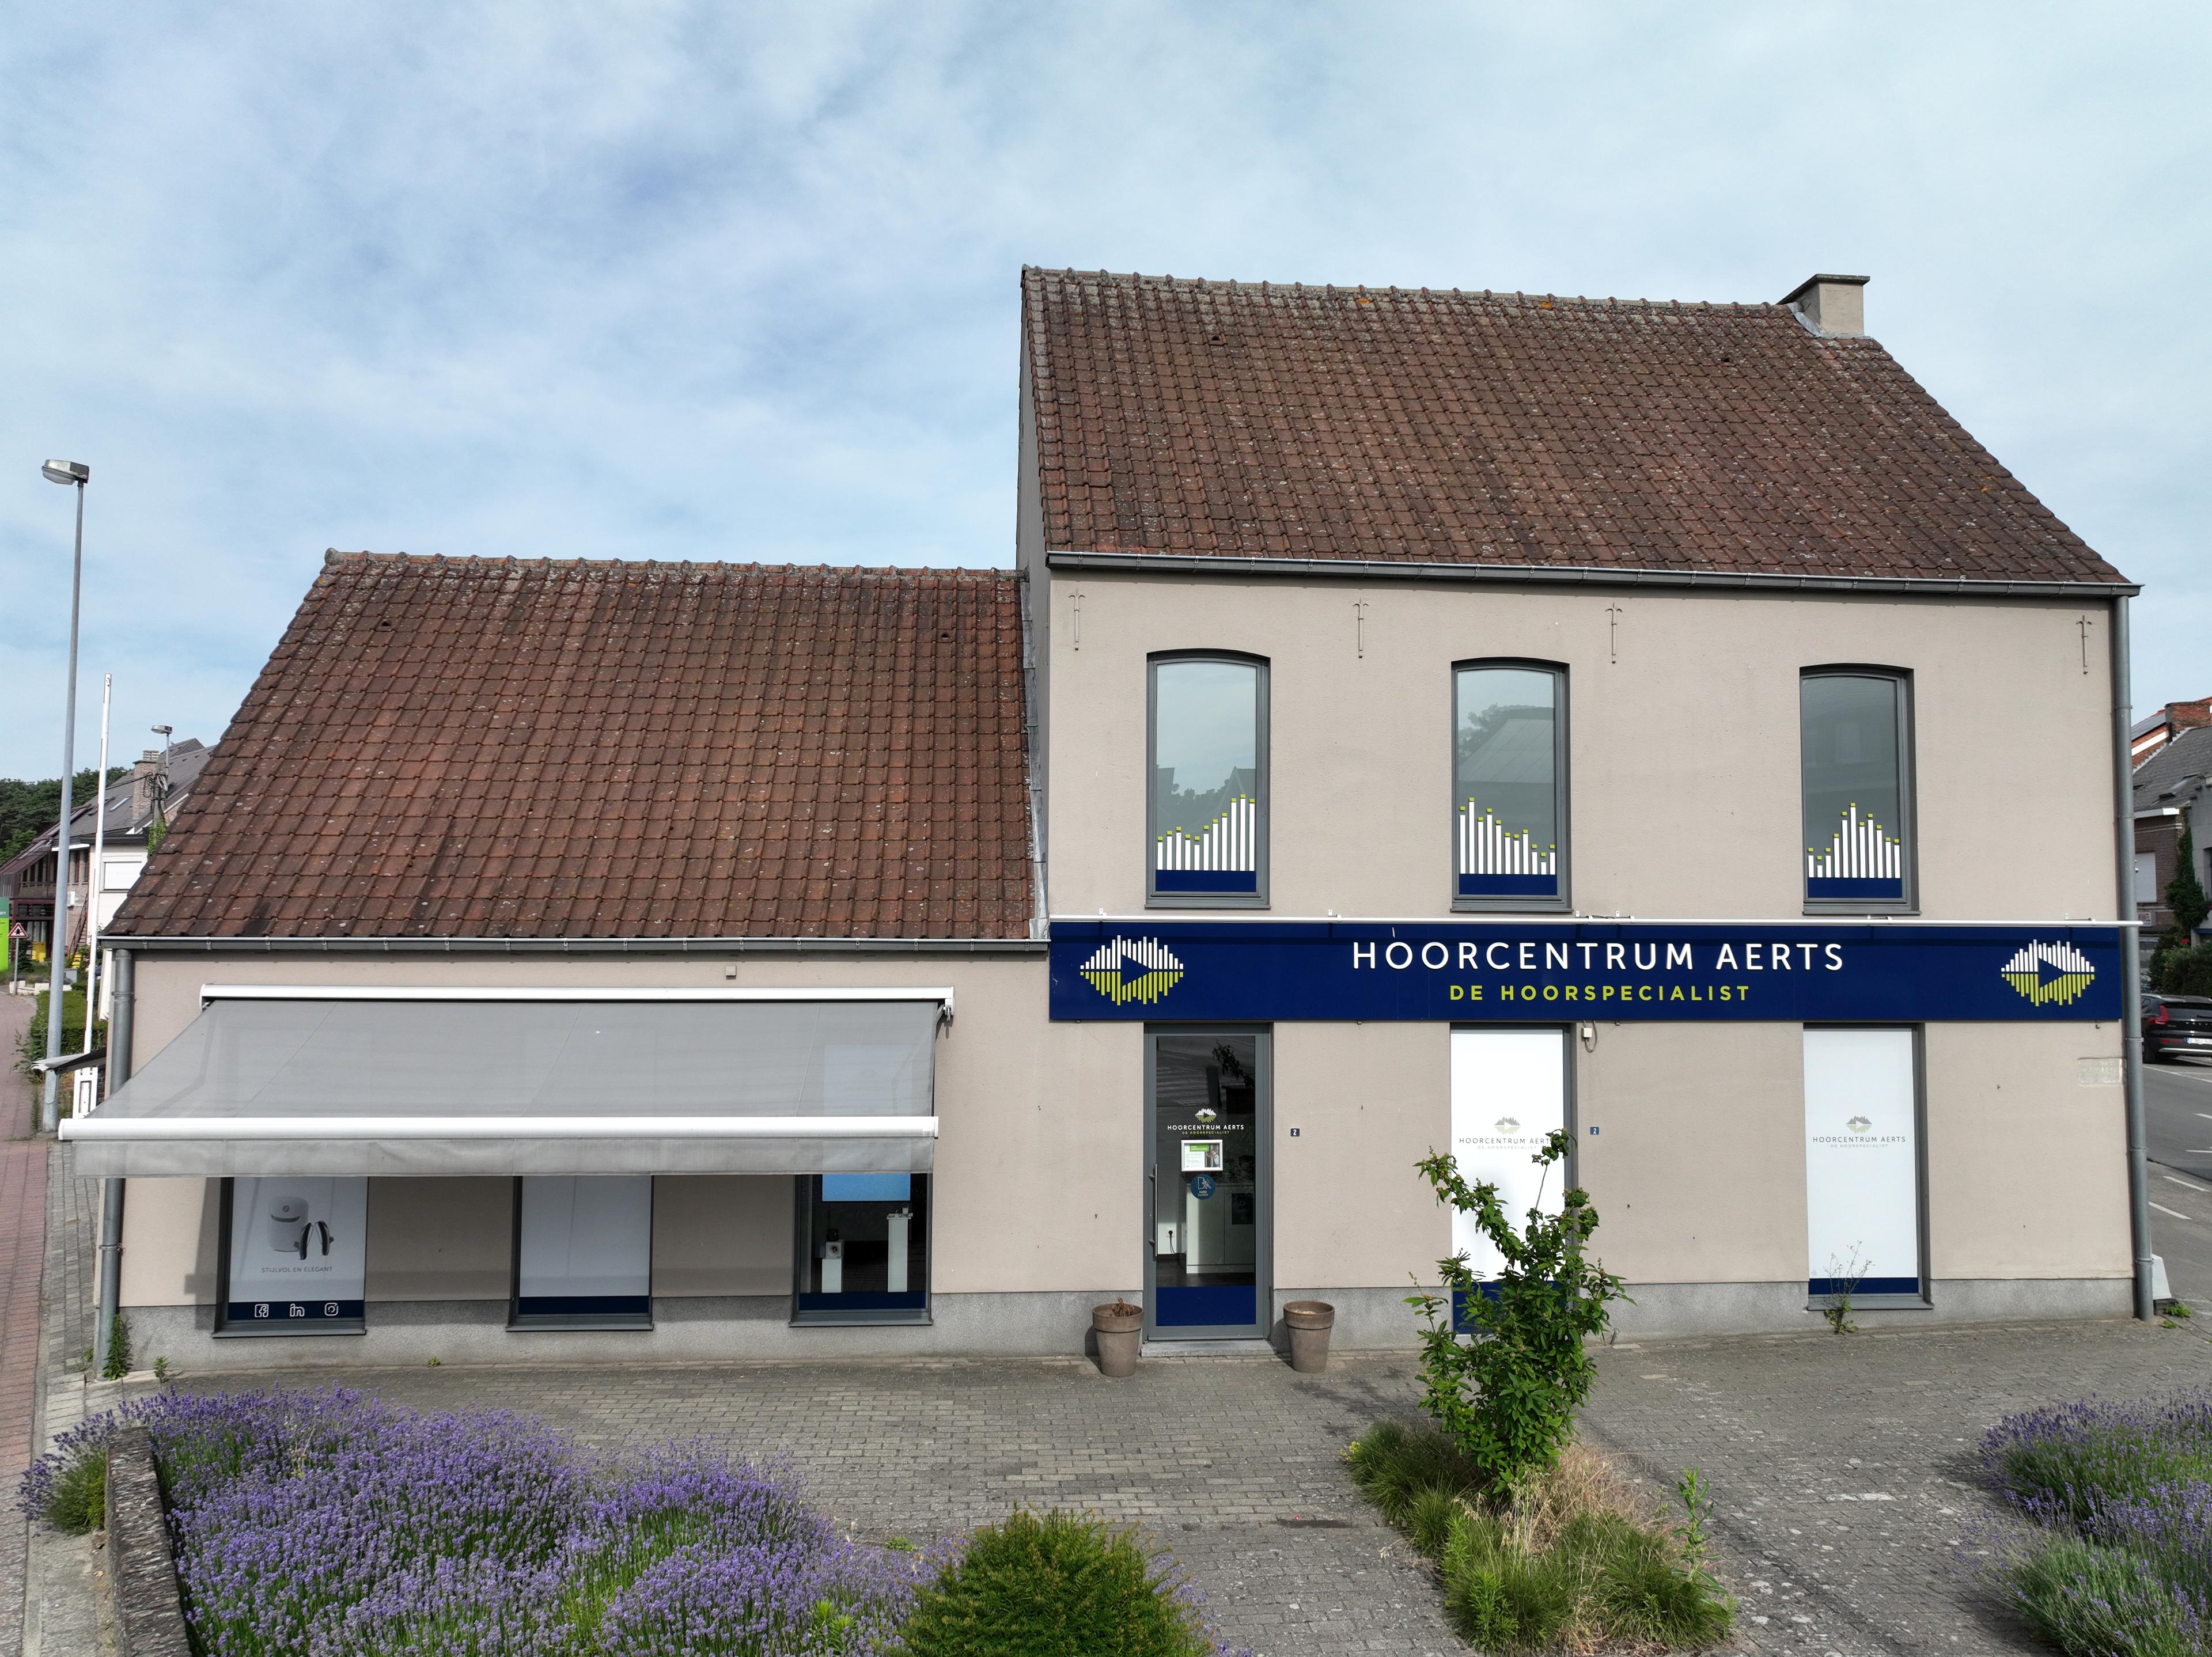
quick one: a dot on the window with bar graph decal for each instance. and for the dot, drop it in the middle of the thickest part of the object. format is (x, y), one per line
(1509, 768)
(1209, 806)
(1854, 744)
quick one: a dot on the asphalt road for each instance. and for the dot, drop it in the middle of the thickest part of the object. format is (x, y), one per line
(2177, 1113)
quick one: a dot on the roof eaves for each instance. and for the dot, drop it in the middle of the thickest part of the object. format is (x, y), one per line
(1369, 569)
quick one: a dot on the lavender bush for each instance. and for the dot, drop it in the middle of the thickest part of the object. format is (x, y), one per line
(2120, 1495)
(328, 1522)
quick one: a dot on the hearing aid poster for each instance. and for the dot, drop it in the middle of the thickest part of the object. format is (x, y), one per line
(296, 1254)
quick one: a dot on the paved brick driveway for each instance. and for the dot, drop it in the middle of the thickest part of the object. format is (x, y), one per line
(1842, 1467)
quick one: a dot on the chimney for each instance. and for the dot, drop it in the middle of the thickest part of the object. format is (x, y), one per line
(2182, 716)
(1834, 305)
(142, 784)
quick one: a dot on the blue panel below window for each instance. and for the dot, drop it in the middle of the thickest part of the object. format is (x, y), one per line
(1819, 1286)
(1222, 1304)
(1205, 880)
(1509, 886)
(1818, 887)
(863, 1303)
(310, 1312)
(584, 1306)
(867, 1187)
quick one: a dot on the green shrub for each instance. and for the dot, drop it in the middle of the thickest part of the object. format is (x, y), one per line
(1054, 1585)
(1508, 1395)
(77, 1501)
(31, 1045)
(2178, 971)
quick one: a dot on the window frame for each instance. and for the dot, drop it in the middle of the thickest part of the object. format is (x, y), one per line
(1562, 798)
(522, 1322)
(1262, 828)
(226, 1327)
(1907, 794)
(805, 1189)
(1925, 1300)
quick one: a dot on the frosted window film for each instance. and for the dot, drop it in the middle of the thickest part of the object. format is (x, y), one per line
(586, 1239)
(1509, 1092)
(1862, 1160)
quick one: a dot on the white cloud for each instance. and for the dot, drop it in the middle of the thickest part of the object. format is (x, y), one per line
(664, 281)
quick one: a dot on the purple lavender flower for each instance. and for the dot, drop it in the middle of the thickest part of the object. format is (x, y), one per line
(328, 1522)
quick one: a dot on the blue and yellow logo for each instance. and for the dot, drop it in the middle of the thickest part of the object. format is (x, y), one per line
(2047, 972)
(1126, 969)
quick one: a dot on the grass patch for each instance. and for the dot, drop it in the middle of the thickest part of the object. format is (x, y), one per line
(1056, 1585)
(76, 1500)
(1579, 1560)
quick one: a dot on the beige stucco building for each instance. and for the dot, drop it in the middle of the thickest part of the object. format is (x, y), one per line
(1415, 720)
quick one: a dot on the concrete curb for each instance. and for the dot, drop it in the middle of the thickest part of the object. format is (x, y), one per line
(142, 1571)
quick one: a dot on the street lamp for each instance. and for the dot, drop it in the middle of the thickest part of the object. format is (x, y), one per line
(50, 1109)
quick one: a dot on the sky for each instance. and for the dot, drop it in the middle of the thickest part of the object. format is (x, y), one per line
(723, 282)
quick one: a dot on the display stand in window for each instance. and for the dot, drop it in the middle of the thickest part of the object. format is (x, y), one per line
(1509, 787)
(1855, 746)
(293, 1257)
(863, 1248)
(1207, 806)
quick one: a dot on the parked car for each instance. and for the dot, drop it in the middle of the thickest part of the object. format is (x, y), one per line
(2176, 1024)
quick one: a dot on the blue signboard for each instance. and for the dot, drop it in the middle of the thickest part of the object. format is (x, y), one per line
(1524, 971)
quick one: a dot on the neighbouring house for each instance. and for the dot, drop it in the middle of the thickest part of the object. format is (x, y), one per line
(161, 782)
(1413, 720)
(2170, 796)
(2153, 731)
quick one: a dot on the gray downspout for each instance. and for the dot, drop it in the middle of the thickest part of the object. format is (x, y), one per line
(2130, 966)
(122, 986)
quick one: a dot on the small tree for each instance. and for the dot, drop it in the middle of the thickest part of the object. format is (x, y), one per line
(2184, 892)
(1508, 1395)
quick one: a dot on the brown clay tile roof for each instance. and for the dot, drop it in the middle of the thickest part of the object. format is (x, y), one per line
(487, 748)
(1233, 421)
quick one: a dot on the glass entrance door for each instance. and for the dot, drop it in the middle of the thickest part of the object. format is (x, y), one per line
(1208, 1218)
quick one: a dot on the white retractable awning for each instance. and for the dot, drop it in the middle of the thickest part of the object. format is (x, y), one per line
(327, 1080)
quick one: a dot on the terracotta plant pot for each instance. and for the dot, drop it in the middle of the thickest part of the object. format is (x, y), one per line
(1310, 1322)
(1119, 1328)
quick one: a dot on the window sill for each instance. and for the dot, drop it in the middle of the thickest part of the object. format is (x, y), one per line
(916, 1317)
(1881, 1303)
(1864, 910)
(557, 1321)
(1206, 901)
(1523, 906)
(280, 1330)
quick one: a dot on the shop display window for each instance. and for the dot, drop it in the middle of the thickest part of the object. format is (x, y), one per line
(1856, 748)
(1509, 786)
(1208, 840)
(583, 1252)
(863, 1248)
(293, 1256)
